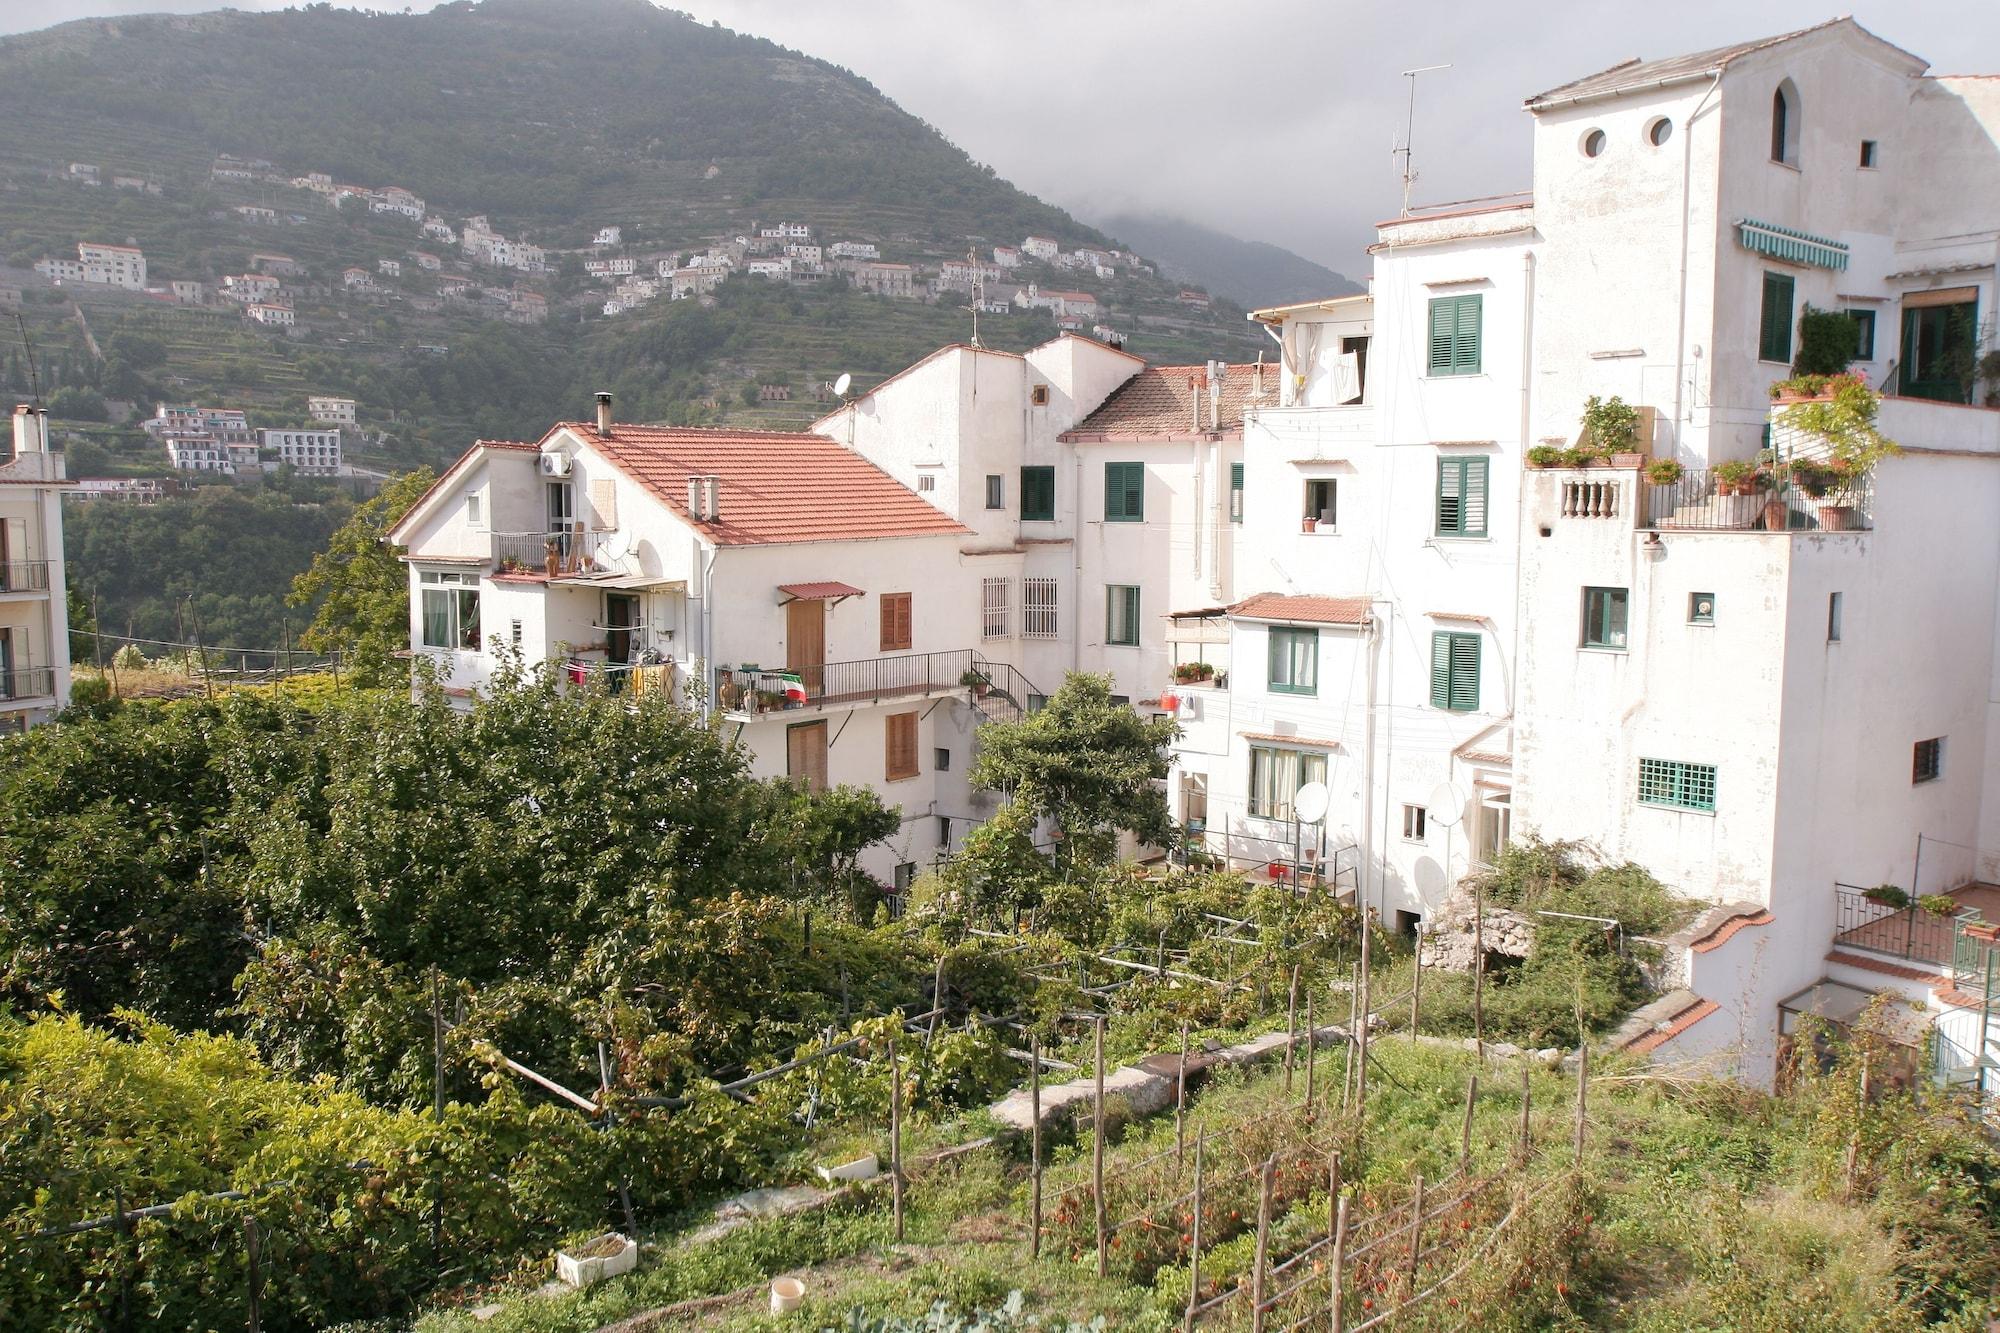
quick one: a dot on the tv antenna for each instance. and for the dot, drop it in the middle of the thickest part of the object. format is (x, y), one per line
(28, 346)
(1409, 130)
(978, 290)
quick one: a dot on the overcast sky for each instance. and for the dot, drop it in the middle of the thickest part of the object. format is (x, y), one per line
(1275, 121)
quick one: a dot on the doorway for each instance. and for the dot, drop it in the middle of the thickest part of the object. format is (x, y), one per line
(621, 614)
(561, 510)
(1940, 345)
(805, 754)
(805, 643)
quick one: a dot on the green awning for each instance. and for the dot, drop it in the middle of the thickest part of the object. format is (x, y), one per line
(1795, 247)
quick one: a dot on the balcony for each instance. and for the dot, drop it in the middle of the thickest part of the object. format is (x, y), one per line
(998, 691)
(1910, 932)
(545, 554)
(1702, 501)
(24, 576)
(26, 684)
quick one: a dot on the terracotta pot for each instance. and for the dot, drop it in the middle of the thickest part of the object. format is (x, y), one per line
(1777, 516)
(1838, 518)
(1628, 459)
(1309, 525)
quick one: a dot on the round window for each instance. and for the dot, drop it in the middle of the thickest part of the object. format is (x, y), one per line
(1593, 143)
(1659, 131)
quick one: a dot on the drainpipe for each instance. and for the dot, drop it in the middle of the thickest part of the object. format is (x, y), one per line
(1372, 641)
(1520, 509)
(1680, 314)
(1076, 567)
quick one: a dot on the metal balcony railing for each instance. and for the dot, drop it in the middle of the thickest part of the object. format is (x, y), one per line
(1900, 932)
(997, 690)
(545, 552)
(24, 576)
(27, 683)
(1700, 501)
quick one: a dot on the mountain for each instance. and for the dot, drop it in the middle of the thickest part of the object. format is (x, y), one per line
(1251, 273)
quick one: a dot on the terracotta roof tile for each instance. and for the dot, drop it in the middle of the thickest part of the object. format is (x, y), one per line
(1315, 610)
(776, 486)
(1887, 968)
(1159, 401)
(1686, 1019)
(1718, 937)
(1309, 742)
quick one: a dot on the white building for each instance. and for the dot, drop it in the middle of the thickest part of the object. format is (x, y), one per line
(608, 236)
(780, 267)
(250, 287)
(316, 453)
(738, 571)
(273, 313)
(258, 214)
(108, 265)
(1041, 247)
(333, 411)
(396, 199)
(195, 452)
(355, 278)
(854, 250)
(34, 596)
(389, 268)
(1006, 256)
(884, 278)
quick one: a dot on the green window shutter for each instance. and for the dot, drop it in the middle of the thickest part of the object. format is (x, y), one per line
(1236, 492)
(1465, 343)
(1124, 492)
(1774, 327)
(1461, 497)
(1038, 494)
(1455, 334)
(1440, 670)
(1465, 673)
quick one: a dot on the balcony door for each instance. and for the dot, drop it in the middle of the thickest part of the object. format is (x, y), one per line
(8, 684)
(805, 642)
(805, 754)
(1940, 344)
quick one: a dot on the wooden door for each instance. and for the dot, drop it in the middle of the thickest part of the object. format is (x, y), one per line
(805, 753)
(805, 642)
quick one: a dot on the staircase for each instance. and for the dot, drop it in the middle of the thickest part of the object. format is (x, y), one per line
(1008, 694)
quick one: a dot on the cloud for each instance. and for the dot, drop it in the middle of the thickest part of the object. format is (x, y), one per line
(1273, 122)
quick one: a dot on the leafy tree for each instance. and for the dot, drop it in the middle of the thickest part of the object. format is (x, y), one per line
(361, 588)
(1086, 764)
(828, 832)
(75, 403)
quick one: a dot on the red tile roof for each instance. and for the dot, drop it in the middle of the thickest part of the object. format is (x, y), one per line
(1307, 741)
(818, 592)
(450, 474)
(776, 486)
(1315, 610)
(1686, 1019)
(1158, 402)
(1887, 968)
(1718, 937)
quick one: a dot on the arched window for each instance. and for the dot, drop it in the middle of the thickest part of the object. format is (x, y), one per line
(1785, 124)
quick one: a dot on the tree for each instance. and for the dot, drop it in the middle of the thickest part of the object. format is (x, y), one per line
(74, 403)
(829, 831)
(361, 588)
(1087, 764)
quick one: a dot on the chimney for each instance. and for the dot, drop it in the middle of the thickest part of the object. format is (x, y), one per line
(1194, 402)
(1216, 370)
(694, 497)
(603, 415)
(31, 430)
(713, 486)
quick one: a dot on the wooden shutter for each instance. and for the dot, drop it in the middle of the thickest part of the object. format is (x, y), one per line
(1774, 328)
(1465, 672)
(1038, 493)
(899, 759)
(896, 627)
(805, 754)
(1444, 322)
(1461, 497)
(1440, 670)
(1466, 336)
(1124, 492)
(1236, 492)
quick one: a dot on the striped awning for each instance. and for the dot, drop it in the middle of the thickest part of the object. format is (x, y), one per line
(1795, 247)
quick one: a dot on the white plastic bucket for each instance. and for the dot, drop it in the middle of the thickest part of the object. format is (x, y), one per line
(787, 1295)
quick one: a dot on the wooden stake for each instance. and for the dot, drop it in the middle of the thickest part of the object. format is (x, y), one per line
(1312, 1056)
(896, 1136)
(1416, 1232)
(1582, 1086)
(1527, 1135)
(1417, 983)
(1194, 1243)
(1035, 1147)
(1263, 1245)
(1097, 1154)
(1180, 1105)
(1291, 1026)
(937, 1002)
(1337, 1279)
(1479, 969)
(1347, 1056)
(1361, 1071)
(1465, 1134)
(252, 1251)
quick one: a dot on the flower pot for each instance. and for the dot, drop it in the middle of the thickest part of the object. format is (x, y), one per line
(1777, 516)
(598, 1258)
(1308, 525)
(787, 1295)
(1626, 459)
(1839, 518)
(865, 1167)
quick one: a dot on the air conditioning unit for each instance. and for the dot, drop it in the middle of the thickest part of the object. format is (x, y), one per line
(555, 465)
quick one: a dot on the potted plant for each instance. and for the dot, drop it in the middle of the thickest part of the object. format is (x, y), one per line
(1828, 340)
(1938, 904)
(1545, 455)
(1734, 477)
(1887, 895)
(1186, 673)
(1664, 472)
(1308, 525)
(976, 681)
(1842, 414)
(1612, 427)
(598, 1258)
(770, 701)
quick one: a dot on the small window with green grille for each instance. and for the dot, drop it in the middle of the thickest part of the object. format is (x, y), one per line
(1680, 785)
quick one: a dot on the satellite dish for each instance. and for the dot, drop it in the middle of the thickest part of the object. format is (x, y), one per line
(615, 547)
(1446, 805)
(840, 386)
(1310, 803)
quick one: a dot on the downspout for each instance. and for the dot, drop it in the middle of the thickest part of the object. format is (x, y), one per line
(1076, 567)
(706, 561)
(1520, 510)
(1373, 650)
(1680, 314)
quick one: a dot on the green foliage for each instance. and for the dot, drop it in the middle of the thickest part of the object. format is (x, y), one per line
(1086, 764)
(1828, 340)
(1010, 1315)
(361, 589)
(75, 403)
(1611, 424)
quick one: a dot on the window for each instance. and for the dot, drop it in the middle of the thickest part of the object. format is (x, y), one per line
(896, 628)
(1038, 608)
(1868, 152)
(1039, 395)
(944, 832)
(1414, 820)
(996, 491)
(1785, 124)
(451, 609)
(1455, 671)
(1927, 764)
(1455, 335)
(1038, 494)
(472, 508)
(941, 760)
(514, 632)
(1593, 143)
(1124, 492)
(1604, 614)
(1671, 782)
(1658, 131)
(996, 606)
(1833, 617)
(1701, 608)
(1321, 506)
(1276, 776)
(1461, 497)
(899, 750)
(1235, 492)
(1864, 333)
(926, 482)
(906, 875)
(1774, 326)
(1294, 660)
(1121, 615)
(1037, 702)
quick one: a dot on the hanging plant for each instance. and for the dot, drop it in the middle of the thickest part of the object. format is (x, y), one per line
(1843, 416)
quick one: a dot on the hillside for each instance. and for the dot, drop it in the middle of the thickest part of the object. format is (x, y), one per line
(1250, 273)
(198, 139)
